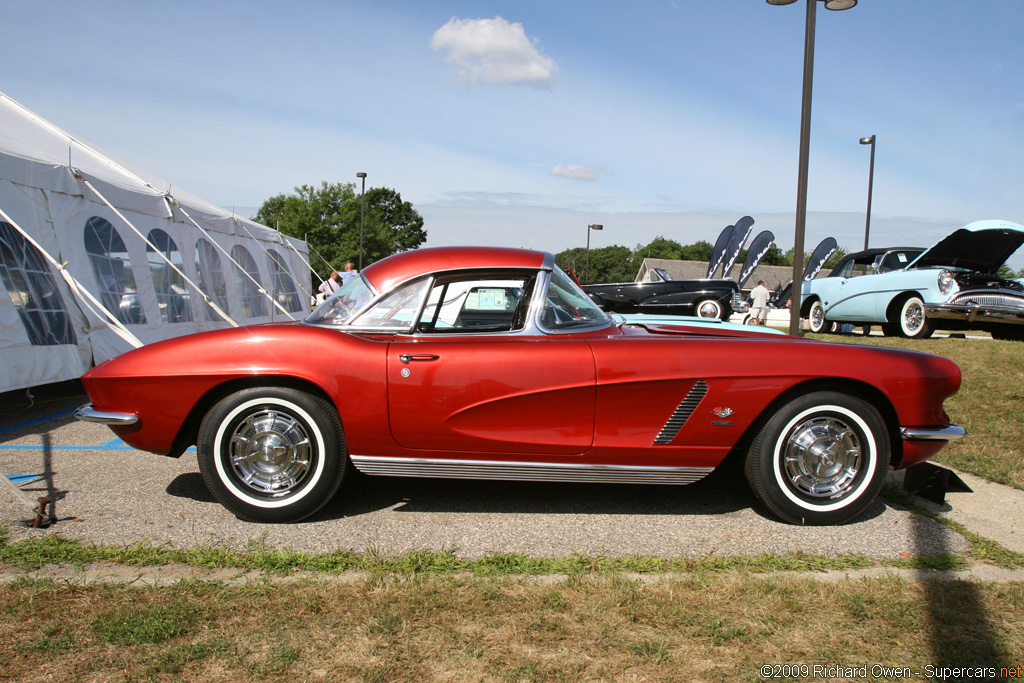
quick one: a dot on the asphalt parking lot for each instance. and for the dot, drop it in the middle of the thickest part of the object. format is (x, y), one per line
(106, 493)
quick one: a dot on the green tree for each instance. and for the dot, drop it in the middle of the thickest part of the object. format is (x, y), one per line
(660, 247)
(327, 217)
(607, 264)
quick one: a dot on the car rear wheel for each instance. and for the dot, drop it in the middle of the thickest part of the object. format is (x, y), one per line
(912, 321)
(708, 309)
(272, 454)
(821, 459)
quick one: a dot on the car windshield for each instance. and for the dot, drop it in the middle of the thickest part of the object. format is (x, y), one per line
(565, 305)
(341, 306)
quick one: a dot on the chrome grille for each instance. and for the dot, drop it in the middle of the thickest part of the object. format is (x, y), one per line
(989, 301)
(682, 413)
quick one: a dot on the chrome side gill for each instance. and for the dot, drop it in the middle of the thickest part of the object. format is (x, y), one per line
(525, 471)
(682, 413)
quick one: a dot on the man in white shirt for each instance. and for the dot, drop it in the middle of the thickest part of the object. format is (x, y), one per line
(759, 302)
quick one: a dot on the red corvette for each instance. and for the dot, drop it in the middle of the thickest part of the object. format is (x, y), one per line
(492, 364)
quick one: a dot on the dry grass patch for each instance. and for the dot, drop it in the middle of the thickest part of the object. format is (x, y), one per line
(463, 628)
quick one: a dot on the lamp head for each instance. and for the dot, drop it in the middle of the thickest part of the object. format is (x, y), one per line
(870, 140)
(838, 5)
(360, 175)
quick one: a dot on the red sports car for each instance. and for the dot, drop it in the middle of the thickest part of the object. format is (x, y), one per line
(491, 363)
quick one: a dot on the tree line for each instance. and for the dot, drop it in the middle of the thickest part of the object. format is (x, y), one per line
(327, 217)
(621, 264)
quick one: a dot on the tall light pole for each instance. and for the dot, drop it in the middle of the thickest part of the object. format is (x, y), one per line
(805, 148)
(870, 140)
(362, 213)
(586, 268)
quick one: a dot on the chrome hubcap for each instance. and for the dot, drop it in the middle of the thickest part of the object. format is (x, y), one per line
(270, 452)
(708, 309)
(822, 457)
(913, 318)
(817, 317)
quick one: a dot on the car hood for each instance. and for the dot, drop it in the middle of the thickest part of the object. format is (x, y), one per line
(982, 246)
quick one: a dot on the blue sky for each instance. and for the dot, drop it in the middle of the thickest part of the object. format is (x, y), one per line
(520, 123)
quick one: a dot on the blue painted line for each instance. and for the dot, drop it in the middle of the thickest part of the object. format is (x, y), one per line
(22, 447)
(37, 421)
(113, 443)
(23, 477)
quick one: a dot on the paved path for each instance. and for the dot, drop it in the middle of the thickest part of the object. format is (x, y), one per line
(107, 493)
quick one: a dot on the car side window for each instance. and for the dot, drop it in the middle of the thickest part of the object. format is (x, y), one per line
(475, 304)
(397, 311)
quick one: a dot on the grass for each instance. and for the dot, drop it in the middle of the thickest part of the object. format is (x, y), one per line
(456, 627)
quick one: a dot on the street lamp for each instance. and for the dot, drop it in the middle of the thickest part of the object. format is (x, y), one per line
(870, 140)
(362, 212)
(805, 148)
(586, 268)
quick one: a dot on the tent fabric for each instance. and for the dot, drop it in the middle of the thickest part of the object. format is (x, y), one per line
(46, 334)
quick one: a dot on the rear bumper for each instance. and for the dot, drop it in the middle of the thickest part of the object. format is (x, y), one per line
(87, 413)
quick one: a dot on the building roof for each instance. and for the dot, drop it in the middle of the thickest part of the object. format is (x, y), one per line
(773, 276)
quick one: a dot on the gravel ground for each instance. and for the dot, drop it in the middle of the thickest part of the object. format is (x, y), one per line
(120, 496)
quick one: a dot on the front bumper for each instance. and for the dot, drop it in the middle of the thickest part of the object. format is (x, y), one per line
(1011, 312)
(87, 413)
(947, 433)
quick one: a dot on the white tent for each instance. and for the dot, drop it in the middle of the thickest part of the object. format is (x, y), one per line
(76, 224)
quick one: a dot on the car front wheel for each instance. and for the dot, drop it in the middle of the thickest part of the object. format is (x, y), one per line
(272, 454)
(821, 459)
(912, 321)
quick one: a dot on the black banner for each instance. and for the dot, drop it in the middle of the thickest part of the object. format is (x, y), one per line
(758, 248)
(821, 253)
(740, 233)
(719, 251)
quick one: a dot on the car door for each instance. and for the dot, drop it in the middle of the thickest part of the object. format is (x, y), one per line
(491, 393)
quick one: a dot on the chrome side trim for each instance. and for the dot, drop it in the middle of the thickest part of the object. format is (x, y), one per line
(682, 413)
(87, 413)
(947, 433)
(525, 471)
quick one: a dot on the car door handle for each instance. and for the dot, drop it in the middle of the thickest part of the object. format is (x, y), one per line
(409, 357)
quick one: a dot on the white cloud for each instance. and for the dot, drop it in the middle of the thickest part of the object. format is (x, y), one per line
(493, 51)
(573, 172)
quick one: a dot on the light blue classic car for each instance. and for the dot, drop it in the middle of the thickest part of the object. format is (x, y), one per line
(911, 292)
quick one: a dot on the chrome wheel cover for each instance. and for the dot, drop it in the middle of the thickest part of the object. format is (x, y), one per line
(913, 317)
(822, 457)
(270, 452)
(817, 317)
(709, 309)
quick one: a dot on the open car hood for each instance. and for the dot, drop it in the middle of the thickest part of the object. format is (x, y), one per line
(981, 246)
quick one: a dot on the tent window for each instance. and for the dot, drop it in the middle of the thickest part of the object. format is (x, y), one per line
(254, 304)
(113, 270)
(172, 296)
(284, 286)
(33, 290)
(211, 277)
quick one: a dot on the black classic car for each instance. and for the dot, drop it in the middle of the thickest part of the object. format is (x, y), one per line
(706, 298)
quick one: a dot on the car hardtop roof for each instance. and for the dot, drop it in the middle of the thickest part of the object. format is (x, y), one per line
(393, 270)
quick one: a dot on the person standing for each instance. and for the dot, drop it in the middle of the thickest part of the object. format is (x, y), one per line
(330, 285)
(349, 273)
(759, 302)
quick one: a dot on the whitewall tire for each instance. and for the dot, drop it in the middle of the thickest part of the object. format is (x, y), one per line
(272, 454)
(821, 459)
